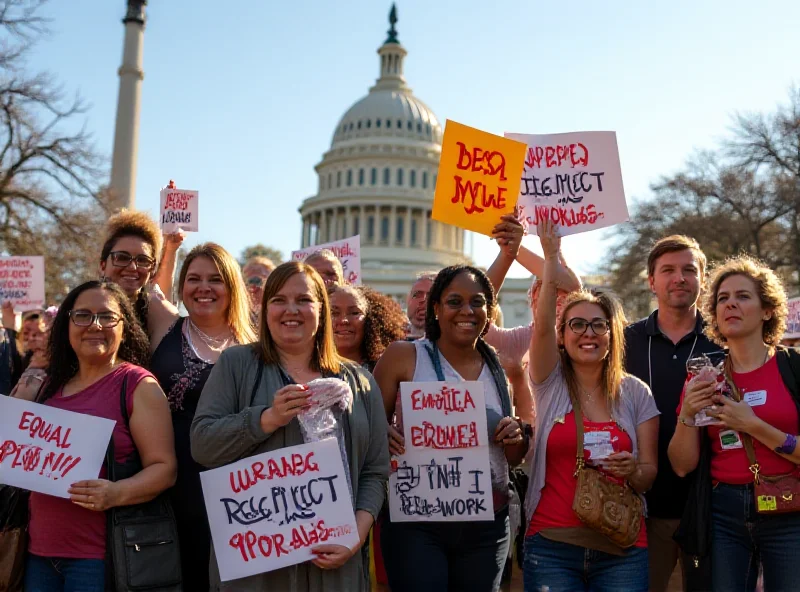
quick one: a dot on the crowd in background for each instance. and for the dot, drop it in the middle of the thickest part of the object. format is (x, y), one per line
(226, 380)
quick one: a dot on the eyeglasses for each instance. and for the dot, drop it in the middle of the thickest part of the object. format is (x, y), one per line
(123, 259)
(86, 318)
(580, 326)
(256, 281)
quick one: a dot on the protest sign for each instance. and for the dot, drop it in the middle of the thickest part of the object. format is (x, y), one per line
(444, 474)
(46, 449)
(179, 210)
(793, 321)
(476, 182)
(22, 282)
(268, 511)
(574, 179)
(347, 250)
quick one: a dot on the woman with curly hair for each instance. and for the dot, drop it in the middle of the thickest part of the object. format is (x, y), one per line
(129, 256)
(97, 348)
(453, 555)
(745, 310)
(365, 323)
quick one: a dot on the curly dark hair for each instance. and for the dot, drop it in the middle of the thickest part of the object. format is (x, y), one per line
(385, 323)
(445, 277)
(134, 348)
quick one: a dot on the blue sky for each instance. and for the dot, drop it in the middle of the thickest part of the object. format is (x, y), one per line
(240, 99)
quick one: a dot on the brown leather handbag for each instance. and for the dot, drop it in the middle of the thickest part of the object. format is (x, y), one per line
(778, 494)
(613, 510)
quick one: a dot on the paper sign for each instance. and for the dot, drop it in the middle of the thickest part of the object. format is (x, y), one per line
(22, 282)
(793, 320)
(179, 210)
(476, 182)
(348, 251)
(46, 449)
(444, 474)
(268, 511)
(574, 179)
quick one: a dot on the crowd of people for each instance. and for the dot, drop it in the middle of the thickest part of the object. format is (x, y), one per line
(623, 486)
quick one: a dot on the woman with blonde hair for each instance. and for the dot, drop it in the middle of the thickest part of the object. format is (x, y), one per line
(185, 350)
(250, 405)
(755, 439)
(581, 390)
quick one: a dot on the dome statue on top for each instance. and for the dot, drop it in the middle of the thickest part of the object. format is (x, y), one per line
(377, 180)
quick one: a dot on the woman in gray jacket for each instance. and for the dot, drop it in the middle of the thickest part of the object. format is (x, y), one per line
(249, 406)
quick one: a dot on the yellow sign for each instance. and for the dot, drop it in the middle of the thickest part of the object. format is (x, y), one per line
(479, 178)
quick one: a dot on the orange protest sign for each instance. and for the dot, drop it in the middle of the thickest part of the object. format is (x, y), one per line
(478, 178)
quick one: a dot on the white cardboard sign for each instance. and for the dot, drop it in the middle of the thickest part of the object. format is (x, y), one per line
(445, 474)
(348, 250)
(574, 179)
(22, 282)
(268, 511)
(179, 210)
(793, 321)
(46, 449)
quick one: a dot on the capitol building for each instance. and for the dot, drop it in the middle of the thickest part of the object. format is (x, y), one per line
(377, 180)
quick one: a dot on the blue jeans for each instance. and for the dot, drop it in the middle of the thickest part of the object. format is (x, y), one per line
(445, 556)
(561, 567)
(742, 538)
(51, 574)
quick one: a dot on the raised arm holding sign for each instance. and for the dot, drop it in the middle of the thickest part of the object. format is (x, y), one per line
(22, 282)
(179, 209)
(573, 179)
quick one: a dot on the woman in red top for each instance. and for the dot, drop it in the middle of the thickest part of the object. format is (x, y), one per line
(95, 343)
(745, 309)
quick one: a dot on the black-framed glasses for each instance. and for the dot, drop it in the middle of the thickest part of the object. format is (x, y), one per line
(123, 259)
(87, 318)
(256, 281)
(580, 326)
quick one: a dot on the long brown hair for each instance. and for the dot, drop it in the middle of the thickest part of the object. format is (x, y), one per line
(324, 358)
(238, 314)
(613, 364)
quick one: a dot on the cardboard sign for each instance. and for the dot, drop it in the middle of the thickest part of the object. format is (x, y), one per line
(179, 210)
(22, 282)
(445, 474)
(46, 449)
(574, 179)
(476, 182)
(268, 511)
(793, 320)
(348, 250)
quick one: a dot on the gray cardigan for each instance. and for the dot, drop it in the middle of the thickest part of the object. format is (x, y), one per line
(226, 429)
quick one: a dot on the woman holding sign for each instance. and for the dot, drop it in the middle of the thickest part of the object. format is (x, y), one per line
(185, 350)
(250, 405)
(129, 257)
(747, 483)
(453, 555)
(96, 350)
(586, 404)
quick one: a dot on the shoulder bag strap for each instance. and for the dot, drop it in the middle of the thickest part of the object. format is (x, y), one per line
(747, 440)
(576, 407)
(111, 461)
(433, 353)
(257, 384)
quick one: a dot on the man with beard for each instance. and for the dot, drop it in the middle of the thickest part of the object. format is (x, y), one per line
(656, 351)
(417, 303)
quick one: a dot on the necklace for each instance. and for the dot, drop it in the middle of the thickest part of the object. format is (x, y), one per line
(766, 357)
(216, 344)
(588, 394)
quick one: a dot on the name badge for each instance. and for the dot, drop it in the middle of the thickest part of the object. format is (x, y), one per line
(755, 398)
(598, 444)
(730, 440)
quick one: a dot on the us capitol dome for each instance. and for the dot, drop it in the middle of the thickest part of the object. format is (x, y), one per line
(377, 180)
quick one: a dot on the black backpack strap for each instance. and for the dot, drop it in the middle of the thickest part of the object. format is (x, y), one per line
(789, 367)
(257, 384)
